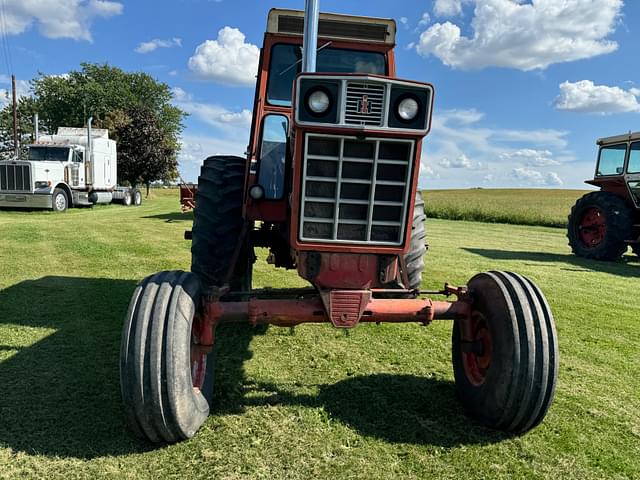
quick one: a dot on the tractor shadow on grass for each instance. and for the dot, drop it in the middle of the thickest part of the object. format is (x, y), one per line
(60, 395)
(394, 408)
(627, 266)
(59, 367)
(173, 217)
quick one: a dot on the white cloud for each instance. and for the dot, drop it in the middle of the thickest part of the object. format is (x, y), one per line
(481, 153)
(214, 115)
(22, 89)
(461, 162)
(447, 8)
(57, 18)
(426, 18)
(228, 59)
(524, 35)
(530, 177)
(151, 45)
(531, 157)
(586, 97)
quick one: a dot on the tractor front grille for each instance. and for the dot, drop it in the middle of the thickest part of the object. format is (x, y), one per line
(364, 104)
(15, 178)
(355, 191)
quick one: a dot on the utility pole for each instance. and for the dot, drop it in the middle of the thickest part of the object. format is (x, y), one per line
(15, 117)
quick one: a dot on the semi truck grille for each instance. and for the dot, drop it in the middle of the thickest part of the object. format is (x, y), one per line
(364, 103)
(15, 178)
(355, 191)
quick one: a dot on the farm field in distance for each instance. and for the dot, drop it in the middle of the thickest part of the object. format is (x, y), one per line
(545, 207)
(377, 402)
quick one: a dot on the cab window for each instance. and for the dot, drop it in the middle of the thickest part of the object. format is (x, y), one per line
(611, 159)
(286, 61)
(634, 158)
(273, 153)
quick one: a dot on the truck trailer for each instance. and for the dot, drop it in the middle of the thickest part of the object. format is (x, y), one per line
(75, 167)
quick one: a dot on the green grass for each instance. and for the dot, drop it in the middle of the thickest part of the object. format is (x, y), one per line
(315, 402)
(546, 207)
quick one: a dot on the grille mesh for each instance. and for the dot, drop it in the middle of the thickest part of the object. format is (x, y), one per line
(364, 103)
(355, 191)
(15, 178)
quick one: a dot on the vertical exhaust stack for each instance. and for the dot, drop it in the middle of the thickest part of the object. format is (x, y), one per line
(89, 142)
(36, 128)
(310, 40)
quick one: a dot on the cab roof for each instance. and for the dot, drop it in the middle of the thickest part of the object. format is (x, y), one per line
(627, 137)
(333, 25)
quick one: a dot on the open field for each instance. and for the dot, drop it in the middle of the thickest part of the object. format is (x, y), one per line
(516, 206)
(315, 402)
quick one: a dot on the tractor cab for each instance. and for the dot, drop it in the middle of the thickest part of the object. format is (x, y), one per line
(618, 167)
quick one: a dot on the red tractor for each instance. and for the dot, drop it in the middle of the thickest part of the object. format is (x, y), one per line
(329, 186)
(603, 224)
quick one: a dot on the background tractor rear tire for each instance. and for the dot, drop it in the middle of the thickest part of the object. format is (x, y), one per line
(160, 401)
(218, 222)
(599, 224)
(505, 374)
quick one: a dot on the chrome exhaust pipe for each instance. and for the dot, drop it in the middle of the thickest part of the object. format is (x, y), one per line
(310, 39)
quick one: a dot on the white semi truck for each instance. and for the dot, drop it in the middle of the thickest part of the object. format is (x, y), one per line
(75, 167)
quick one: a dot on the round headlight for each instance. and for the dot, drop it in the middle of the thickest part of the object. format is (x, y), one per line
(408, 109)
(318, 102)
(256, 192)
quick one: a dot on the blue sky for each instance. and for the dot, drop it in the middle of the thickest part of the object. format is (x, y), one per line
(523, 88)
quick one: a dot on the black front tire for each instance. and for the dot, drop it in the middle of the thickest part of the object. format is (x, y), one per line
(218, 222)
(617, 222)
(506, 368)
(59, 200)
(160, 401)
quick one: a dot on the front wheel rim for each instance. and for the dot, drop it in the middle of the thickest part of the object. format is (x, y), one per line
(593, 227)
(61, 202)
(476, 357)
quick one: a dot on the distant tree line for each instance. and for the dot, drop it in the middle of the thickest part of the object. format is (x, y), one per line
(135, 108)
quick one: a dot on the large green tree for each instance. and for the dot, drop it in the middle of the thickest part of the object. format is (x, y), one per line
(119, 101)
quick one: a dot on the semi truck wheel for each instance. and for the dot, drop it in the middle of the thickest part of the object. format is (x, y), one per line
(163, 370)
(136, 197)
(505, 361)
(599, 224)
(217, 224)
(127, 199)
(60, 201)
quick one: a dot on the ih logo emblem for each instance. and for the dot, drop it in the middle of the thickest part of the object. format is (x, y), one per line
(364, 106)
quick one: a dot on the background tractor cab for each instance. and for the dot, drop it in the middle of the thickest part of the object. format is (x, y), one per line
(603, 224)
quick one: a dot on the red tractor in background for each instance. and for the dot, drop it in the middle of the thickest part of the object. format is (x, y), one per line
(603, 224)
(329, 186)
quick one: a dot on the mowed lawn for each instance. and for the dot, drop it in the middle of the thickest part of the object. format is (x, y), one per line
(376, 402)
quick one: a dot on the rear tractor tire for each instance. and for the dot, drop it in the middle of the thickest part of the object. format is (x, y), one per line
(164, 372)
(218, 222)
(599, 225)
(506, 364)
